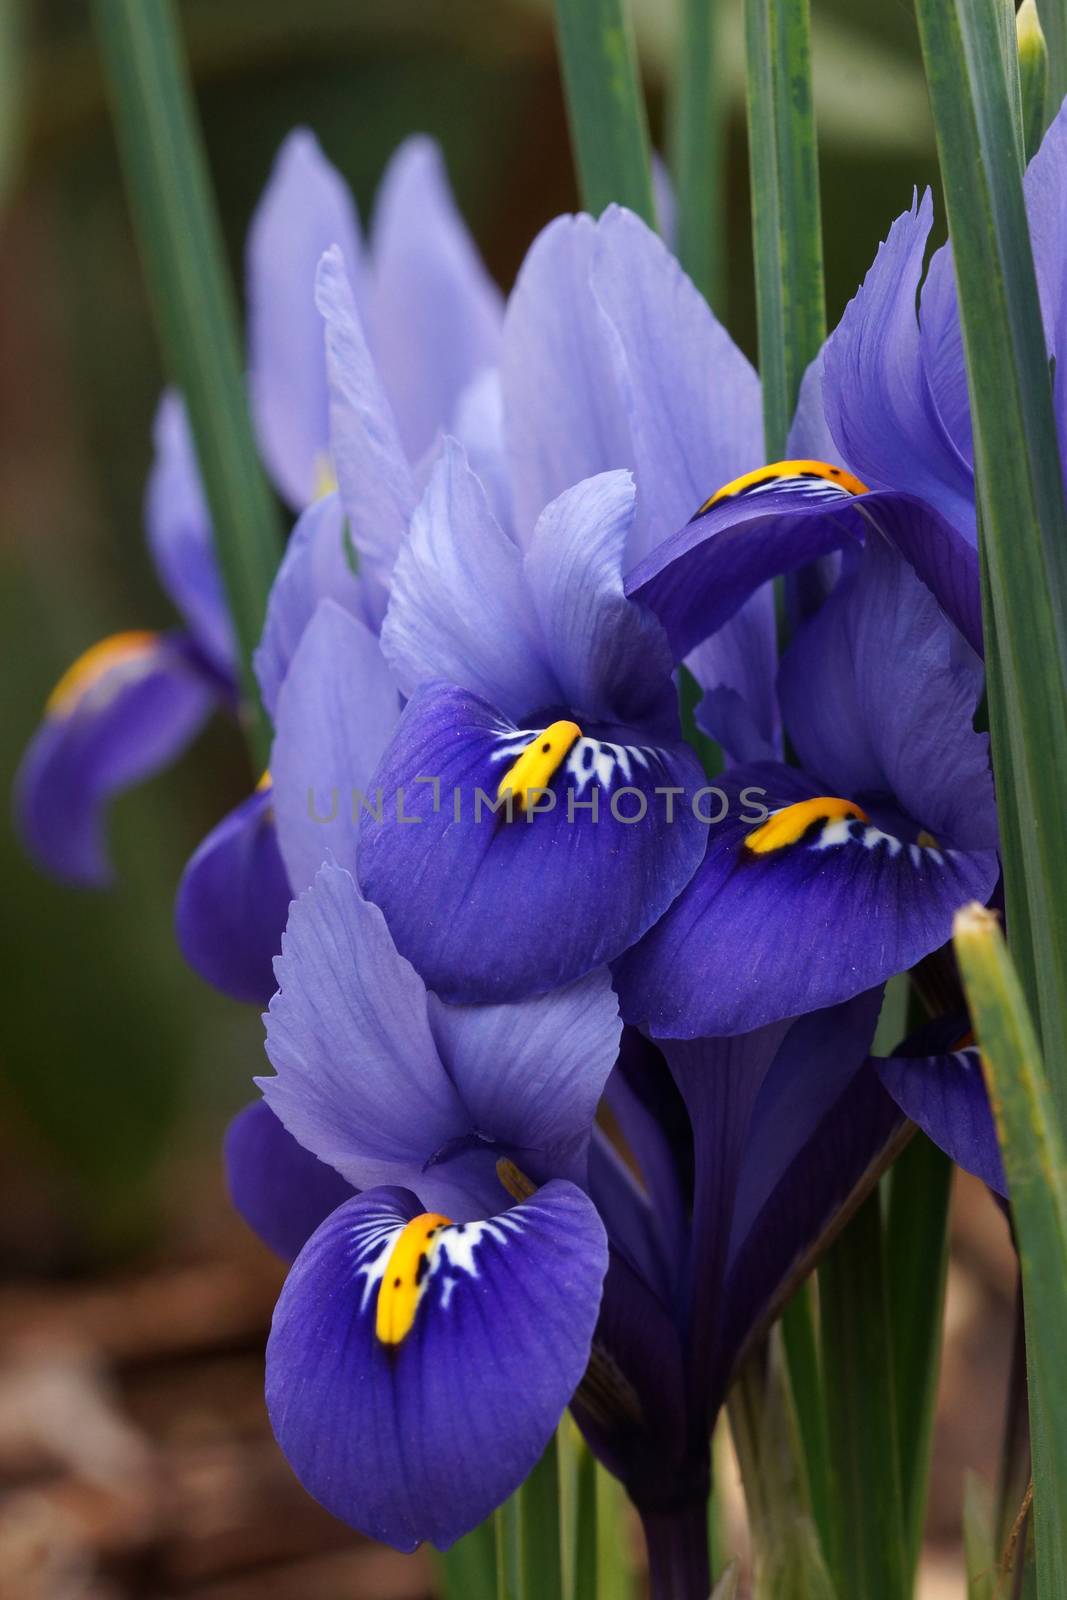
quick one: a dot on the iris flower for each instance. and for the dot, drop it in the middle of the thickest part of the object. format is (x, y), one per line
(431, 1331)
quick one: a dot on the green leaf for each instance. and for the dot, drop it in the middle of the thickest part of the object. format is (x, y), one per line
(577, 1512)
(729, 1585)
(698, 135)
(616, 1579)
(787, 232)
(978, 1549)
(529, 1554)
(916, 1237)
(609, 126)
(181, 243)
(468, 1570)
(799, 1338)
(1036, 1166)
(1054, 22)
(1022, 517)
(869, 1551)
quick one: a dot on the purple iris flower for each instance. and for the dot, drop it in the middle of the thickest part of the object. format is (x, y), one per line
(430, 1334)
(431, 1331)
(887, 826)
(354, 372)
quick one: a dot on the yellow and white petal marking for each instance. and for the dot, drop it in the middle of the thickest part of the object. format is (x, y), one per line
(540, 759)
(821, 479)
(586, 759)
(128, 656)
(791, 824)
(429, 1250)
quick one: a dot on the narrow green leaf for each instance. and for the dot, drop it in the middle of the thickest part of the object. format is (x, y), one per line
(181, 244)
(507, 1530)
(1033, 75)
(698, 137)
(1009, 50)
(978, 1548)
(1036, 1165)
(468, 1570)
(616, 1579)
(609, 126)
(893, 1017)
(868, 1546)
(577, 1512)
(916, 1234)
(799, 1337)
(1022, 516)
(787, 231)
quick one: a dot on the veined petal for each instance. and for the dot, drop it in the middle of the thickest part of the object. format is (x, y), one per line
(489, 909)
(1046, 212)
(359, 1080)
(180, 536)
(437, 313)
(778, 521)
(335, 715)
(478, 424)
(532, 1074)
(878, 401)
(377, 487)
(421, 1438)
(280, 1189)
(693, 398)
(609, 657)
(126, 708)
(459, 606)
(233, 900)
(319, 564)
(565, 418)
(946, 1095)
(306, 207)
(803, 911)
(879, 691)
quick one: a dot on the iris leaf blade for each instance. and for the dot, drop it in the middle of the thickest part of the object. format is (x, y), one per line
(605, 109)
(1035, 1161)
(698, 136)
(181, 245)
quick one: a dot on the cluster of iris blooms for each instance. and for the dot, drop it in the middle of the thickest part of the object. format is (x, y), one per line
(474, 888)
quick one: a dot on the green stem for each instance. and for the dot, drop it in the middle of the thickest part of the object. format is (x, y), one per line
(609, 127)
(806, 1382)
(184, 260)
(698, 137)
(1053, 14)
(787, 231)
(869, 1560)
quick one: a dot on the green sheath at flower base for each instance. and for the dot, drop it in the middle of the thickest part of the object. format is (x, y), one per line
(1033, 75)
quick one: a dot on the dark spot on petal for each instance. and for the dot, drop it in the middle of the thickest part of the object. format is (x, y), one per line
(421, 1269)
(397, 1282)
(545, 748)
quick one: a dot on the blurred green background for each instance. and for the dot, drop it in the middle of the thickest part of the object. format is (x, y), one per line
(119, 1068)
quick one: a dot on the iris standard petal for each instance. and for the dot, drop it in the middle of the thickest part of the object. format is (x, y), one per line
(565, 417)
(280, 1189)
(693, 398)
(319, 563)
(376, 482)
(876, 394)
(420, 1436)
(359, 1080)
(306, 207)
(531, 1075)
(180, 537)
(335, 714)
(478, 424)
(437, 314)
(1046, 213)
(946, 1095)
(608, 655)
(126, 708)
(459, 607)
(491, 909)
(233, 900)
(803, 911)
(879, 692)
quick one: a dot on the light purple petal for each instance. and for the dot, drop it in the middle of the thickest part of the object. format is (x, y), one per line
(610, 657)
(336, 712)
(1046, 209)
(459, 607)
(478, 424)
(375, 479)
(317, 565)
(436, 312)
(180, 536)
(564, 417)
(693, 398)
(305, 208)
